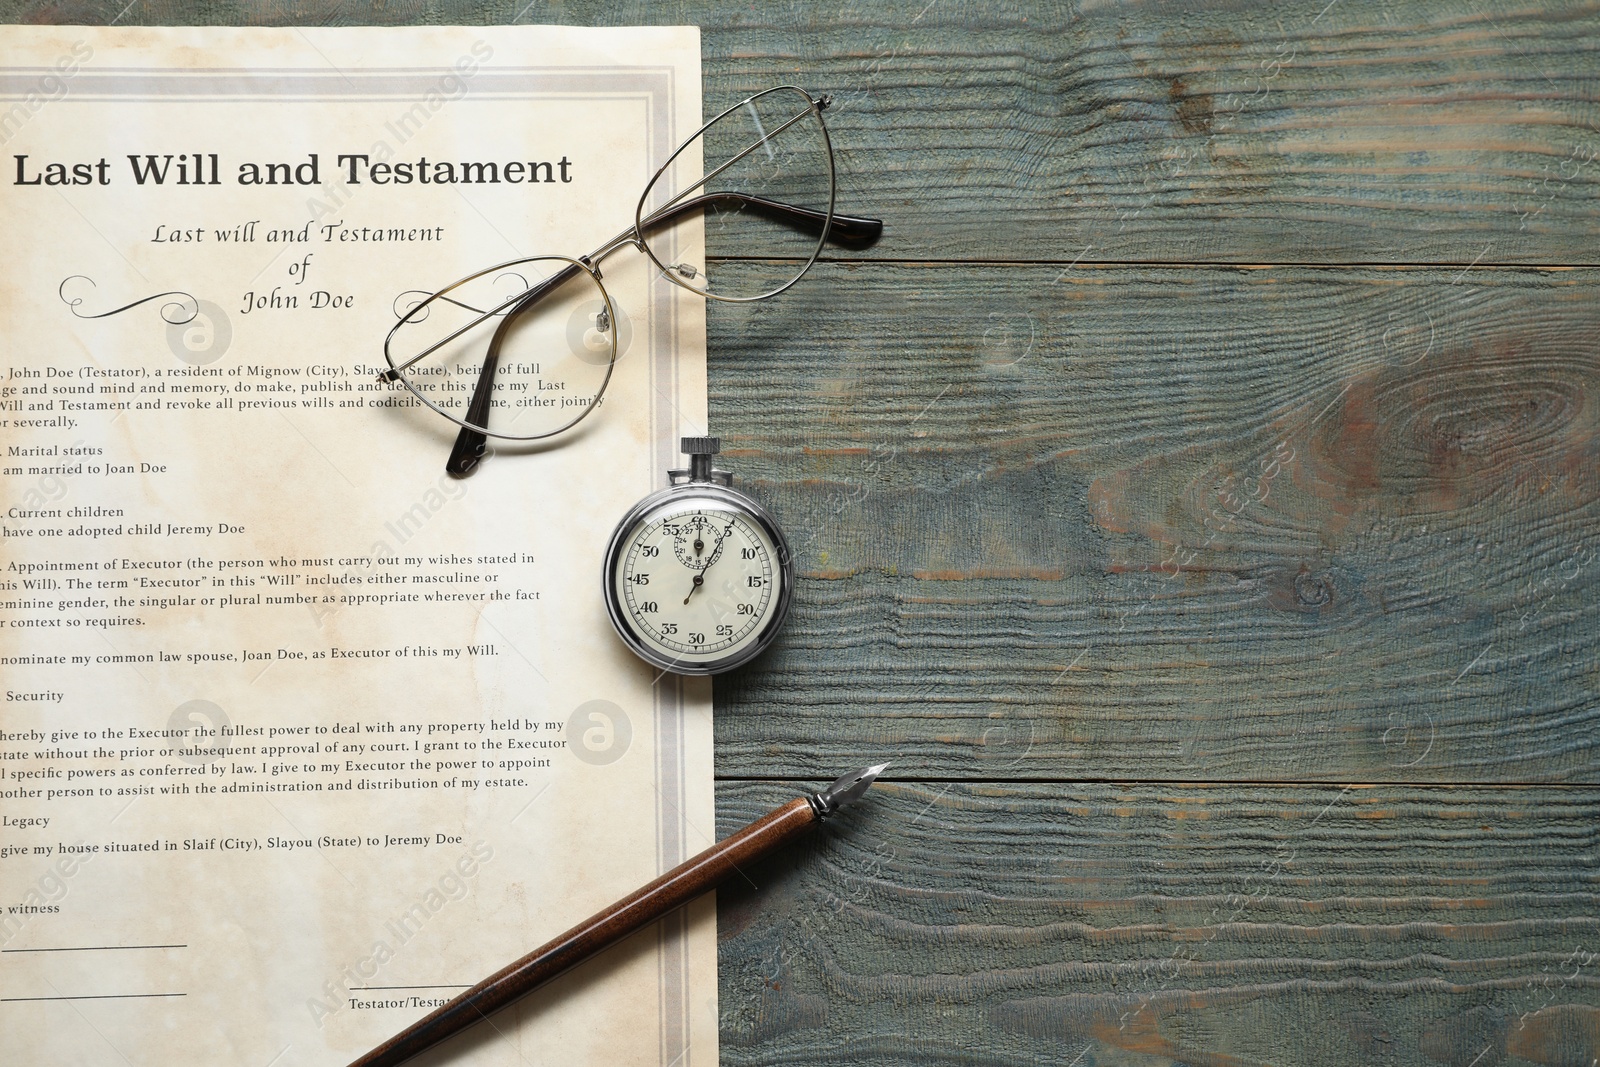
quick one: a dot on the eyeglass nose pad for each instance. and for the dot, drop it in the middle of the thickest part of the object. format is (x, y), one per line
(597, 335)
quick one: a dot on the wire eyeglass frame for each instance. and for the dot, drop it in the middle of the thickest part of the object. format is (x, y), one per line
(471, 443)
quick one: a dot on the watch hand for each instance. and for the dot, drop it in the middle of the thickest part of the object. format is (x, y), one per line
(700, 579)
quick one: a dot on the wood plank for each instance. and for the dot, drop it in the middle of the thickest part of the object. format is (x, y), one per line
(1201, 523)
(1232, 132)
(1214, 925)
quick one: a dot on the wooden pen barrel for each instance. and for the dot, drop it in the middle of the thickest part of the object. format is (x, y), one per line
(672, 890)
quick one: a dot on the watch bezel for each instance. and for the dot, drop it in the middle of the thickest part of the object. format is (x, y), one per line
(681, 497)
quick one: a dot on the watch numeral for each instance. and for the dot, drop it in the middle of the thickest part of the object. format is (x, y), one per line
(650, 550)
(755, 581)
(669, 627)
(648, 607)
(747, 553)
(639, 579)
(746, 609)
(697, 639)
(724, 630)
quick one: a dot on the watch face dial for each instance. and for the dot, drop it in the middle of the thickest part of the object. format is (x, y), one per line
(699, 584)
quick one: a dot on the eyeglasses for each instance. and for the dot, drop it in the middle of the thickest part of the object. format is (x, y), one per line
(524, 350)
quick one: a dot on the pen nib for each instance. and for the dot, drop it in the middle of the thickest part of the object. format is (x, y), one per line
(848, 788)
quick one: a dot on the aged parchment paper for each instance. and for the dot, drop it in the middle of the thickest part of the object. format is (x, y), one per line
(301, 736)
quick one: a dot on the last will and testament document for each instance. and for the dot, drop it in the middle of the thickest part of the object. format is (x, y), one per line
(300, 736)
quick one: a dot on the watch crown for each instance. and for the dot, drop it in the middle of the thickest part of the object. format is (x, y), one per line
(700, 450)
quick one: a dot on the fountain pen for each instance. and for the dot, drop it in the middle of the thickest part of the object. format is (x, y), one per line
(672, 890)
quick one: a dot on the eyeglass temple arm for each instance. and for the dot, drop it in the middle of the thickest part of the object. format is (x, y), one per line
(470, 444)
(845, 230)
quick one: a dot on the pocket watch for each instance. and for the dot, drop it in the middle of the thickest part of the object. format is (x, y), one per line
(698, 576)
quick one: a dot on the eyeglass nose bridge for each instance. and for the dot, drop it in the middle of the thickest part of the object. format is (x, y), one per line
(622, 240)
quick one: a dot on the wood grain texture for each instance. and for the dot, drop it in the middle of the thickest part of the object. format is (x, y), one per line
(1240, 132)
(1199, 925)
(1211, 524)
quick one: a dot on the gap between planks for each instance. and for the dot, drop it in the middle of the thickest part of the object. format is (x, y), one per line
(1174, 782)
(1214, 264)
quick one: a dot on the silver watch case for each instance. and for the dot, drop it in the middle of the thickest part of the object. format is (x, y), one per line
(685, 496)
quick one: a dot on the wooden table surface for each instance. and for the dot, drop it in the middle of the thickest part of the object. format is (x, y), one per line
(1195, 494)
